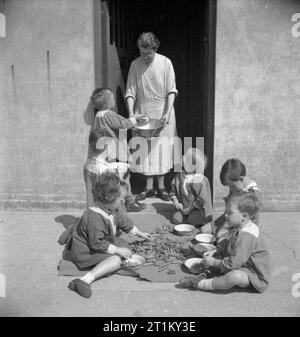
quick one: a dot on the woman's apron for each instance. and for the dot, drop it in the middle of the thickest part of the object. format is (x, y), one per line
(158, 159)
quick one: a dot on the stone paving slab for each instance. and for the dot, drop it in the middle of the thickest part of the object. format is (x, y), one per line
(29, 255)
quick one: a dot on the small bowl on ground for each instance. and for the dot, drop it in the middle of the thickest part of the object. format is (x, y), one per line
(134, 261)
(194, 265)
(201, 248)
(184, 229)
(210, 247)
(205, 238)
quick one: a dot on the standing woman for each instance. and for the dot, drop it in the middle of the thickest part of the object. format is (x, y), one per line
(151, 90)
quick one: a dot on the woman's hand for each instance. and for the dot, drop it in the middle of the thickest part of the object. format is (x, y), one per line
(123, 252)
(165, 119)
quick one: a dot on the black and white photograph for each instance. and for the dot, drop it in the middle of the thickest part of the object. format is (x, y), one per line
(150, 169)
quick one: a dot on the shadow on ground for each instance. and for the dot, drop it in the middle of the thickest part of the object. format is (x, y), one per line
(163, 209)
(67, 220)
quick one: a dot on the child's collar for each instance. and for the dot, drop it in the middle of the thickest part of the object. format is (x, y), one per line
(249, 184)
(247, 224)
(99, 204)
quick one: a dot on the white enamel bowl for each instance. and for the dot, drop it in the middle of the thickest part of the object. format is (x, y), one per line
(135, 260)
(184, 229)
(205, 238)
(208, 246)
(192, 262)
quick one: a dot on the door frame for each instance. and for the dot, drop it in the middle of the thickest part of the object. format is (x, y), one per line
(101, 27)
(211, 29)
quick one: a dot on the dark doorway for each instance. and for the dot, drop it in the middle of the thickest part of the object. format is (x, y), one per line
(186, 29)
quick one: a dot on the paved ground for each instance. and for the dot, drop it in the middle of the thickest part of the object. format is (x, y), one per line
(29, 254)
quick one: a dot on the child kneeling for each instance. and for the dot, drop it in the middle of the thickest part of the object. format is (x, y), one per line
(244, 260)
(94, 242)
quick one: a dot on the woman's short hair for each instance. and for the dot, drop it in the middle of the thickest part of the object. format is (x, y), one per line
(148, 40)
(246, 202)
(232, 169)
(107, 187)
(99, 98)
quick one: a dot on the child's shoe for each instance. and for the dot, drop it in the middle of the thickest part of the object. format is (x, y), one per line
(80, 287)
(190, 282)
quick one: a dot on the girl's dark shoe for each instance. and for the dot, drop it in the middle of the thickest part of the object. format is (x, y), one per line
(163, 195)
(135, 207)
(145, 194)
(80, 287)
(190, 282)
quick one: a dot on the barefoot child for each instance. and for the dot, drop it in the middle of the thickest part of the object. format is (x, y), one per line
(244, 261)
(94, 242)
(191, 193)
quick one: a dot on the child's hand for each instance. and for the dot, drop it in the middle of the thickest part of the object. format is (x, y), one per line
(145, 235)
(178, 206)
(124, 252)
(141, 119)
(185, 211)
(210, 253)
(209, 260)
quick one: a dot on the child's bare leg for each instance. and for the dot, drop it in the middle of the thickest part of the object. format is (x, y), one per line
(105, 267)
(177, 218)
(233, 278)
(82, 285)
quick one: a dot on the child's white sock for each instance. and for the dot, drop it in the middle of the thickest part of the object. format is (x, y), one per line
(205, 284)
(88, 278)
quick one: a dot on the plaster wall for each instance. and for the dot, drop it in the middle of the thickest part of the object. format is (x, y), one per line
(257, 97)
(46, 79)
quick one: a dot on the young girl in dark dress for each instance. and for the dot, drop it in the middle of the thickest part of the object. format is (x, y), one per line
(94, 242)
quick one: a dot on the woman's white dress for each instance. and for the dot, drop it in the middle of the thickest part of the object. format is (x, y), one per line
(150, 85)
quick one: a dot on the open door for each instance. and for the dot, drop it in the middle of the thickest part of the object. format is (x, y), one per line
(186, 29)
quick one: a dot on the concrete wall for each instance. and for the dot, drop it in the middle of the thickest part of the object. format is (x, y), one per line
(258, 97)
(47, 75)
(46, 78)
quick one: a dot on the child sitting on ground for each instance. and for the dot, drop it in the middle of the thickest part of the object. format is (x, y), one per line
(233, 175)
(106, 126)
(94, 242)
(244, 261)
(190, 192)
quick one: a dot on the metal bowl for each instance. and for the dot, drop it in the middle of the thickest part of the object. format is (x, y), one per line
(151, 129)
